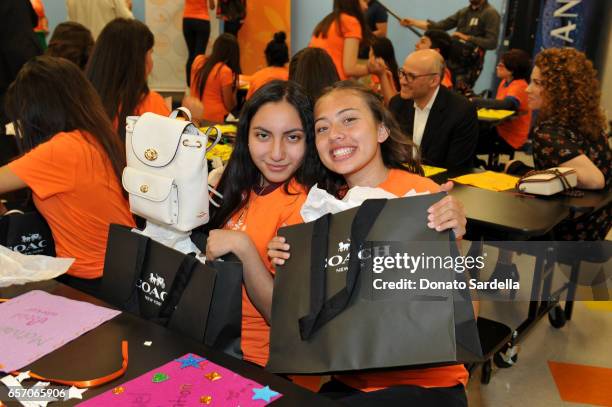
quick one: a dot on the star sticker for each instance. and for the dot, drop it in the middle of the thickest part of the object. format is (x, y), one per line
(265, 394)
(22, 376)
(190, 361)
(75, 393)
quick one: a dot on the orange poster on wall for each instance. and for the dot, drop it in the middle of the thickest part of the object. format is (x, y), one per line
(264, 18)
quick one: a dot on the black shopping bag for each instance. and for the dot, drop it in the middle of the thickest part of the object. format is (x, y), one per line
(174, 289)
(327, 316)
(220, 328)
(26, 233)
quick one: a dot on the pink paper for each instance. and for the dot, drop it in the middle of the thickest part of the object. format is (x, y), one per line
(36, 323)
(200, 383)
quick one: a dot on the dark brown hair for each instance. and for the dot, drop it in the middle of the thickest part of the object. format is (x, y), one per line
(72, 41)
(51, 95)
(350, 7)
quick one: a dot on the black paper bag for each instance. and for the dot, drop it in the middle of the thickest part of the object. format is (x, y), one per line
(26, 233)
(174, 289)
(326, 314)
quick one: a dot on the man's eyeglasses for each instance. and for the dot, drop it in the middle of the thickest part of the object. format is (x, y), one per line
(408, 76)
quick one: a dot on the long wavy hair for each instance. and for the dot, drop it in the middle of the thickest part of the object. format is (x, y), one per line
(350, 7)
(241, 176)
(52, 95)
(225, 51)
(572, 96)
(117, 68)
(397, 150)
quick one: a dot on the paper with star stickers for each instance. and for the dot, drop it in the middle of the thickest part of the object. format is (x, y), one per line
(36, 323)
(190, 380)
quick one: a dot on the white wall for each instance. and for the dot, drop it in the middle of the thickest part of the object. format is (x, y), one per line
(305, 14)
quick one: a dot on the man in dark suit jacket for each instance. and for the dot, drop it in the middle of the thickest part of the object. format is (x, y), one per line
(443, 124)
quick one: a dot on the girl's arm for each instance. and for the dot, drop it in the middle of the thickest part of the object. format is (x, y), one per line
(9, 181)
(349, 59)
(229, 96)
(258, 281)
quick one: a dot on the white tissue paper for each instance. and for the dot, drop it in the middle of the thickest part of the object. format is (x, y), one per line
(172, 238)
(17, 268)
(319, 202)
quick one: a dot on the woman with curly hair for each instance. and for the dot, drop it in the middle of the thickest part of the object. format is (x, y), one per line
(570, 131)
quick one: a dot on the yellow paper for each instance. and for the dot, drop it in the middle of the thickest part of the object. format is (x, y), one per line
(493, 181)
(599, 305)
(225, 128)
(431, 171)
(494, 114)
(223, 151)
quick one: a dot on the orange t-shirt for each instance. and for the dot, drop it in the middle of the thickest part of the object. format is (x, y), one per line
(39, 8)
(212, 98)
(265, 75)
(197, 9)
(516, 130)
(334, 43)
(399, 183)
(447, 80)
(75, 189)
(260, 219)
(153, 102)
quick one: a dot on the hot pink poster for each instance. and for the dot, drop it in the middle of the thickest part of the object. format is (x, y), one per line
(36, 323)
(187, 381)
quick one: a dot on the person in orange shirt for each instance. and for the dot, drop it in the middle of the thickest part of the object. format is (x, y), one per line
(118, 68)
(382, 48)
(72, 161)
(196, 30)
(42, 29)
(214, 79)
(314, 69)
(264, 186)
(340, 33)
(277, 55)
(358, 139)
(513, 69)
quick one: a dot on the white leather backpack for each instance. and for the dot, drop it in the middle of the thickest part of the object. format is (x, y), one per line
(166, 174)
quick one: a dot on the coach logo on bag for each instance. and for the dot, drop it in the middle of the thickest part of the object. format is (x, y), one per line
(339, 262)
(32, 243)
(150, 154)
(155, 286)
(144, 188)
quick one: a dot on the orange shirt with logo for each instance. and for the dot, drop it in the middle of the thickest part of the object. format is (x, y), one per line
(516, 130)
(334, 43)
(260, 219)
(197, 9)
(75, 189)
(399, 182)
(265, 75)
(212, 98)
(152, 102)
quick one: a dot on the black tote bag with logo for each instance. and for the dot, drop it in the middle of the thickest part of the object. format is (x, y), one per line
(174, 289)
(26, 233)
(328, 317)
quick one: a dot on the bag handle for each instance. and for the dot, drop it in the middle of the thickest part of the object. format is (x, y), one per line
(322, 311)
(182, 109)
(183, 276)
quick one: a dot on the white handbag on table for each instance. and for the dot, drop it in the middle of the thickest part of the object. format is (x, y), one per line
(548, 182)
(166, 174)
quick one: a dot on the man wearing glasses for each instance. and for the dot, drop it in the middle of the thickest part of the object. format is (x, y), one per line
(444, 125)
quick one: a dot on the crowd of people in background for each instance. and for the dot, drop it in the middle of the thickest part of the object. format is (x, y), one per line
(340, 113)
